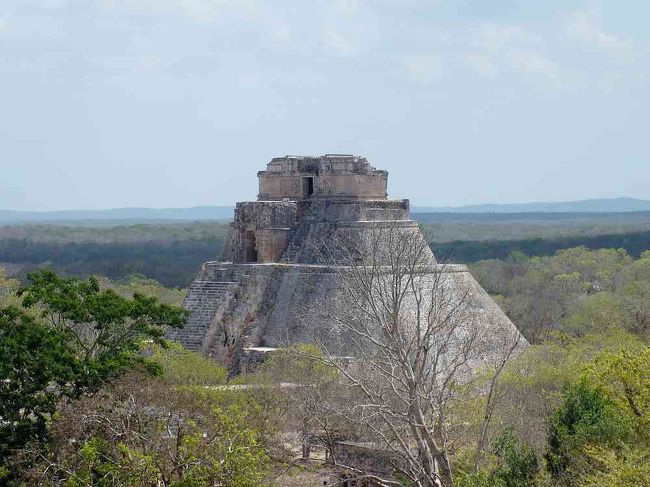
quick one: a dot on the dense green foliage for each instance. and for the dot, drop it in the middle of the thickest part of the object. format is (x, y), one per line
(183, 427)
(172, 263)
(67, 340)
(519, 465)
(37, 367)
(91, 395)
(7, 289)
(104, 329)
(473, 250)
(579, 396)
(587, 415)
(599, 434)
(575, 291)
(570, 412)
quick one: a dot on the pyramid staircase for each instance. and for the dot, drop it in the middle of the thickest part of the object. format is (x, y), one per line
(214, 289)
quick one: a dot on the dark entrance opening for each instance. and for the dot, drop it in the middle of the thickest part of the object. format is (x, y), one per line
(307, 187)
(250, 246)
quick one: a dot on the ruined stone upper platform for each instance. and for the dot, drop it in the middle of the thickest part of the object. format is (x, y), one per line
(332, 176)
(302, 200)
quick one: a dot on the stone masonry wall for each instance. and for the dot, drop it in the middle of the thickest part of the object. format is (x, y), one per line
(331, 176)
(260, 231)
(272, 305)
(360, 186)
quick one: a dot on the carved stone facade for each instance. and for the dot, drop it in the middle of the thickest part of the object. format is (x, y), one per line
(260, 231)
(330, 188)
(270, 272)
(330, 176)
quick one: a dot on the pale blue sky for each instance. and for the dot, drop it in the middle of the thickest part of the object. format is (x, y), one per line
(174, 103)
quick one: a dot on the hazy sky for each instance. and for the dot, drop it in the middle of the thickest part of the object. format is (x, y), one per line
(174, 103)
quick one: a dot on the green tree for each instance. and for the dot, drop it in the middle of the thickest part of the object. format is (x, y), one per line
(628, 466)
(105, 329)
(76, 339)
(542, 293)
(587, 417)
(635, 303)
(625, 378)
(514, 464)
(595, 313)
(600, 435)
(518, 466)
(37, 366)
(533, 385)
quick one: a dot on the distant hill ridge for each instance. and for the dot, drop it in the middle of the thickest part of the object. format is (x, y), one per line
(198, 213)
(119, 214)
(603, 205)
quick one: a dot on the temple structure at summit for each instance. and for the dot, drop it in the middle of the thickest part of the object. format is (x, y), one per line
(257, 296)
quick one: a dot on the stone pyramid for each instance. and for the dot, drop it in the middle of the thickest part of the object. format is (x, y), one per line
(257, 296)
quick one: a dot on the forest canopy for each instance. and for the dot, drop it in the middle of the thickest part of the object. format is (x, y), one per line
(171, 253)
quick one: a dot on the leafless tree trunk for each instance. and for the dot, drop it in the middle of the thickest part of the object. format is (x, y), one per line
(491, 397)
(415, 335)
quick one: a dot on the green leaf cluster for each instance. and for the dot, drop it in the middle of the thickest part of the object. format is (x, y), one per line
(105, 329)
(37, 366)
(68, 339)
(600, 434)
(514, 464)
(576, 291)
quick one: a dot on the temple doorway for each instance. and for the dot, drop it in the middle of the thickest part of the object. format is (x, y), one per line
(307, 187)
(250, 246)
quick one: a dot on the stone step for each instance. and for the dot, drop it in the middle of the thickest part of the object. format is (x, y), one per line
(204, 297)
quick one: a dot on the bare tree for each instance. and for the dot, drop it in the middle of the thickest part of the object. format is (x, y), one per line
(511, 344)
(415, 333)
